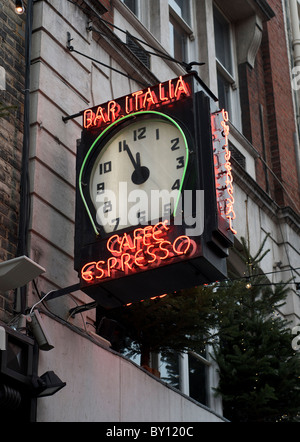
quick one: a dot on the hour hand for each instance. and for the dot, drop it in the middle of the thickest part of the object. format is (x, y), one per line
(140, 173)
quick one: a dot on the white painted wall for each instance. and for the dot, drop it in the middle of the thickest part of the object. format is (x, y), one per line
(104, 387)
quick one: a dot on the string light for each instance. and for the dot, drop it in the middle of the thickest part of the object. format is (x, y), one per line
(19, 7)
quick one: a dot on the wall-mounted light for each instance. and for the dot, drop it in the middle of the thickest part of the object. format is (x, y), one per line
(47, 384)
(19, 7)
(17, 272)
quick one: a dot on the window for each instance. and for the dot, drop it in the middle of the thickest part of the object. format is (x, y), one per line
(179, 26)
(224, 60)
(188, 373)
(198, 372)
(182, 8)
(170, 369)
(132, 5)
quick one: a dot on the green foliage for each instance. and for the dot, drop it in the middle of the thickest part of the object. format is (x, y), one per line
(176, 322)
(259, 370)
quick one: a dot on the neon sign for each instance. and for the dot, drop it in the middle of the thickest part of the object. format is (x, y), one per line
(146, 99)
(143, 249)
(223, 170)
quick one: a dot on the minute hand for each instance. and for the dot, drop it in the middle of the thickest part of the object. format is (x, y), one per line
(141, 173)
(134, 162)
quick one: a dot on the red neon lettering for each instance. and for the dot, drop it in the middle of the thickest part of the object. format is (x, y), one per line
(86, 272)
(137, 237)
(167, 252)
(138, 259)
(140, 100)
(125, 258)
(149, 98)
(137, 95)
(177, 248)
(126, 242)
(225, 115)
(151, 254)
(99, 117)
(147, 234)
(159, 231)
(100, 269)
(111, 244)
(88, 118)
(223, 169)
(171, 89)
(145, 247)
(162, 96)
(181, 88)
(113, 111)
(128, 108)
(111, 264)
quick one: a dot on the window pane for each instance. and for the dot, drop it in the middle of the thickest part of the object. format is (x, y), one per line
(197, 380)
(222, 41)
(223, 93)
(177, 41)
(131, 5)
(182, 8)
(169, 369)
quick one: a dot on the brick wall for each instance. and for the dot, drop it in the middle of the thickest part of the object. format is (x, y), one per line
(269, 85)
(12, 29)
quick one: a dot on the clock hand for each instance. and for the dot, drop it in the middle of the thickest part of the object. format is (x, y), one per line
(140, 173)
(126, 148)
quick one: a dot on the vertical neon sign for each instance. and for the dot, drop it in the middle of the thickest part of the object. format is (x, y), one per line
(223, 169)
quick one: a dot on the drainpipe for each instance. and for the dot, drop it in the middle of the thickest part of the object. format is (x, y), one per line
(20, 301)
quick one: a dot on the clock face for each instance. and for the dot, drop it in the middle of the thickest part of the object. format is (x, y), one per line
(137, 177)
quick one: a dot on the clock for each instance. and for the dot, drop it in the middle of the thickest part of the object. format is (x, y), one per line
(134, 172)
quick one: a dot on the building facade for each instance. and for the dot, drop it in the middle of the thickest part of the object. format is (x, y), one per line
(81, 53)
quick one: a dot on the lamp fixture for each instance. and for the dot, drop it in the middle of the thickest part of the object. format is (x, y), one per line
(47, 384)
(17, 272)
(19, 7)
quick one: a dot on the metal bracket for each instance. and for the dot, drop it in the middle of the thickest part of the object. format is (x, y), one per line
(82, 308)
(69, 41)
(61, 292)
(67, 290)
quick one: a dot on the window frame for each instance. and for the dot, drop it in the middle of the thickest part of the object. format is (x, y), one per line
(230, 78)
(186, 29)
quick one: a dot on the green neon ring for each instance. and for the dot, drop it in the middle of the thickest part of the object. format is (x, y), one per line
(120, 120)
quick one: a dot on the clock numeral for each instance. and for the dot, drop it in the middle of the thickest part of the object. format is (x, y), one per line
(117, 222)
(105, 167)
(180, 162)
(107, 207)
(175, 144)
(100, 188)
(139, 134)
(157, 134)
(176, 185)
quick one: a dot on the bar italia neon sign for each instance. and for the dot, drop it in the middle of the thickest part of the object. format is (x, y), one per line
(143, 249)
(146, 99)
(148, 261)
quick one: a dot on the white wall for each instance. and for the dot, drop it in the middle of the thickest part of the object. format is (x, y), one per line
(104, 387)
